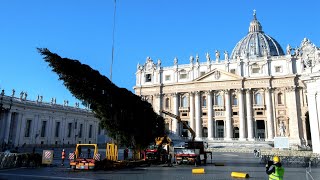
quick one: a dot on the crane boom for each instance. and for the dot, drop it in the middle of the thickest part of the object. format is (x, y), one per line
(193, 134)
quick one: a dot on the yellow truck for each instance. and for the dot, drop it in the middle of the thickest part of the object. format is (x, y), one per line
(82, 158)
(86, 157)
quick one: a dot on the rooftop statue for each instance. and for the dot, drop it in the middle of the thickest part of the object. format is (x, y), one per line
(25, 95)
(289, 49)
(217, 55)
(191, 59)
(208, 57)
(159, 62)
(13, 92)
(226, 55)
(175, 61)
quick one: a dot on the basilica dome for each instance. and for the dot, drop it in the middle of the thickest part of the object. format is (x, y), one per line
(256, 43)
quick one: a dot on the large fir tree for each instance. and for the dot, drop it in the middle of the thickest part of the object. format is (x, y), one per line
(123, 114)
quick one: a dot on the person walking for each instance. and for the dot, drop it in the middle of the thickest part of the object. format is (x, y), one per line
(63, 156)
(274, 169)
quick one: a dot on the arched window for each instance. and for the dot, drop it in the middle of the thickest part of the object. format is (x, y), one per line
(234, 100)
(219, 100)
(167, 102)
(204, 101)
(184, 101)
(280, 98)
(258, 99)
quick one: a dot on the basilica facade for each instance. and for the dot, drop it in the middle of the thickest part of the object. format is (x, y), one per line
(255, 93)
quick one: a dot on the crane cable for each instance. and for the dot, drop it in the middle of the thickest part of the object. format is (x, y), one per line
(114, 25)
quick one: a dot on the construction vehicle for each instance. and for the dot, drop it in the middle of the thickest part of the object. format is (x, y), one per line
(82, 159)
(158, 152)
(193, 151)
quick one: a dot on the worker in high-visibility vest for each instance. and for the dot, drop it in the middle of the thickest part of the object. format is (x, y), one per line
(63, 156)
(274, 169)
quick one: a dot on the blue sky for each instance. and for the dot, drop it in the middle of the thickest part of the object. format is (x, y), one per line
(82, 29)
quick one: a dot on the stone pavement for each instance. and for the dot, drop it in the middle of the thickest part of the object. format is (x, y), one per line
(239, 162)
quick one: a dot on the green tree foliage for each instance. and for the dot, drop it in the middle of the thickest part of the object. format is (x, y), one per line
(123, 114)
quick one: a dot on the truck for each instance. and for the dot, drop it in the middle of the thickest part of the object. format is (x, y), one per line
(159, 151)
(193, 151)
(82, 159)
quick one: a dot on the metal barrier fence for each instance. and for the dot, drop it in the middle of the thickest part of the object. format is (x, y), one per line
(303, 161)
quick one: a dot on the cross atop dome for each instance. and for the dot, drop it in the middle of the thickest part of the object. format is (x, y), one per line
(255, 25)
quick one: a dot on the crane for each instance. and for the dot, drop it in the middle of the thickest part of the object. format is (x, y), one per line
(193, 134)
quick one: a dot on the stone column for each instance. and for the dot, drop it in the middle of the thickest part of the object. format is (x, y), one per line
(242, 122)
(304, 127)
(314, 121)
(210, 121)
(51, 127)
(198, 115)
(175, 122)
(293, 129)
(318, 107)
(191, 114)
(7, 130)
(228, 123)
(63, 126)
(269, 114)
(2, 126)
(157, 103)
(249, 114)
(22, 129)
(18, 130)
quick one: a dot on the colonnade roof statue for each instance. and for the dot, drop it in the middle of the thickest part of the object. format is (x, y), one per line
(256, 43)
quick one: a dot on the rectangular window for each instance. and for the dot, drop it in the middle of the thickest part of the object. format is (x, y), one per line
(43, 128)
(148, 77)
(235, 113)
(80, 131)
(183, 76)
(90, 131)
(233, 71)
(57, 129)
(255, 70)
(202, 73)
(28, 127)
(69, 129)
(167, 77)
(278, 69)
(259, 113)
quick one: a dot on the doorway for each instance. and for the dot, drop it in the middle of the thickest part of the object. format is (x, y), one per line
(236, 132)
(260, 129)
(220, 129)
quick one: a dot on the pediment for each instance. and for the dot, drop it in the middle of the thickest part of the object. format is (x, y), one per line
(218, 75)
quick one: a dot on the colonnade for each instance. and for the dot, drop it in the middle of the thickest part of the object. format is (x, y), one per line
(245, 113)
